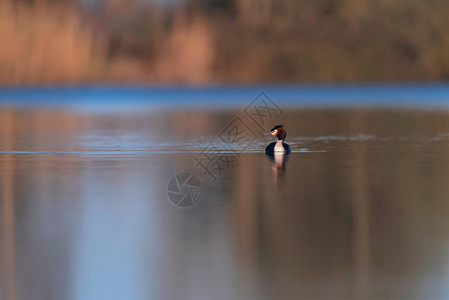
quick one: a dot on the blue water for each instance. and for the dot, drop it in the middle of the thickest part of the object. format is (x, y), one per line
(106, 97)
(358, 210)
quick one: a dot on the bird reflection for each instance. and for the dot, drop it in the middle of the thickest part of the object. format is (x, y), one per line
(279, 161)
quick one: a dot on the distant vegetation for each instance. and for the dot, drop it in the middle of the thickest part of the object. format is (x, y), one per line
(207, 41)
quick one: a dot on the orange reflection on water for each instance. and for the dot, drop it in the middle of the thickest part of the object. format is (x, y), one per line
(362, 217)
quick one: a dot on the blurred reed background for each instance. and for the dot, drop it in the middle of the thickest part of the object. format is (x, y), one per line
(207, 41)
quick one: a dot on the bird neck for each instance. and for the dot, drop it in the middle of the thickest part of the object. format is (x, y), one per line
(279, 146)
(281, 137)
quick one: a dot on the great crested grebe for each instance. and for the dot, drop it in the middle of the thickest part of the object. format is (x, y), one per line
(278, 147)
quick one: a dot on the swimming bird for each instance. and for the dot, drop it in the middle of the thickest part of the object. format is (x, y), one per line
(278, 147)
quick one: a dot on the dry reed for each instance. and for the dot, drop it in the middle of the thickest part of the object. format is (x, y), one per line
(44, 43)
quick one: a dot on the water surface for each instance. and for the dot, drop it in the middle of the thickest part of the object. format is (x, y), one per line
(357, 211)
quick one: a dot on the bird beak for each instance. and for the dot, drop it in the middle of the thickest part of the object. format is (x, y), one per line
(273, 132)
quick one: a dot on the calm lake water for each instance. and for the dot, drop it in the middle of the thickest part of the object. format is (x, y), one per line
(358, 210)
